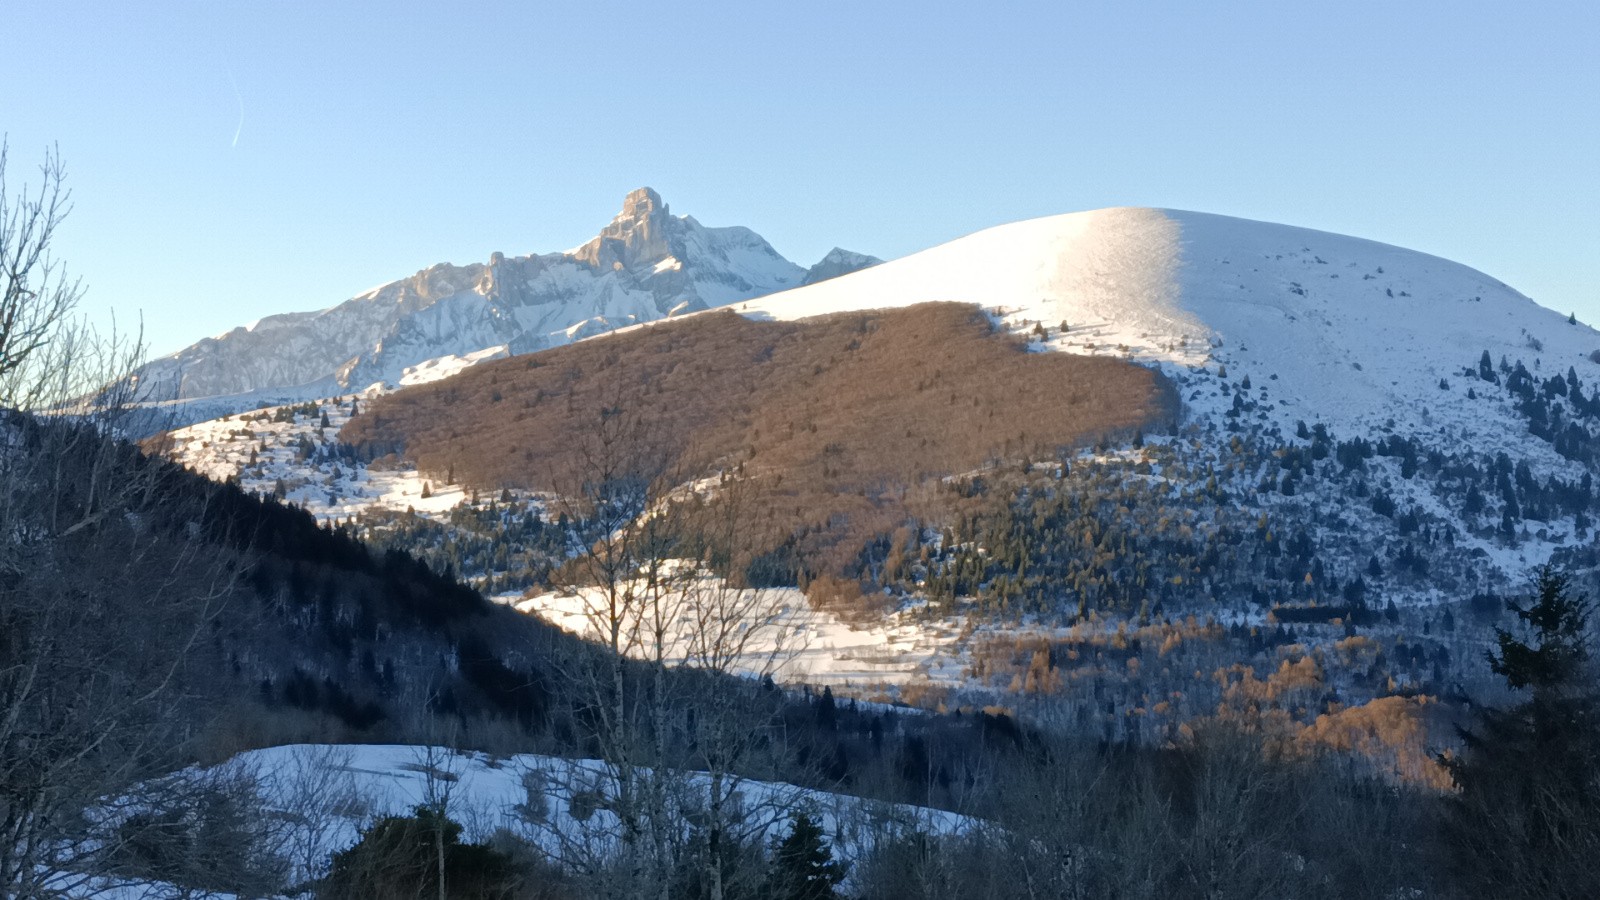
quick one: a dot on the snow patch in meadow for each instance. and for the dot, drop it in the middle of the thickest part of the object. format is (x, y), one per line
(793, 642)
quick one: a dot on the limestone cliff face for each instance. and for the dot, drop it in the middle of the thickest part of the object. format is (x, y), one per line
(644, 265)
(638, 234)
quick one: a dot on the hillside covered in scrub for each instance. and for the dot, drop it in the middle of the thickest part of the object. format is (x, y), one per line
(838, 424)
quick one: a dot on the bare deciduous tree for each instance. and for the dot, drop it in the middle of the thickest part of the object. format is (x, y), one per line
(622, 577)
(312, 798)
(36, 297)
(737, 638)
(656, 567)
(102, 599)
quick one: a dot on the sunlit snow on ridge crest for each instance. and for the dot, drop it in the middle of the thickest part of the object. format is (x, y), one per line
(448, 365)
(1346, 331)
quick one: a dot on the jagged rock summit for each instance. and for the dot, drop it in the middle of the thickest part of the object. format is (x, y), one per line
(646, 264)
(638, 233)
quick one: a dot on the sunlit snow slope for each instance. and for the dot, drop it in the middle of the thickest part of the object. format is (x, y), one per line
(1348, 332)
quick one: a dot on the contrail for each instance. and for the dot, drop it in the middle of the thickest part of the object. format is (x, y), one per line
(240, 98)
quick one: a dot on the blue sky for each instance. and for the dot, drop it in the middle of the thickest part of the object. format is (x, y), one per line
(378, 139)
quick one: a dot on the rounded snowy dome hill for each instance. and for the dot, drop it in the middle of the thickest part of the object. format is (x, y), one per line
(1316, 327)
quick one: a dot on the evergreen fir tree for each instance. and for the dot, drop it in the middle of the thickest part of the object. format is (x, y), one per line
(1474, 501)
(802, 865)
(827, 710)
(1526, 822)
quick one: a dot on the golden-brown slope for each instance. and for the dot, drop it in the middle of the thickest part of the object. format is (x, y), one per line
(833, 419)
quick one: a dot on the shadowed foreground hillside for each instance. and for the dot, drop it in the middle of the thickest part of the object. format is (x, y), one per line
(836, 420)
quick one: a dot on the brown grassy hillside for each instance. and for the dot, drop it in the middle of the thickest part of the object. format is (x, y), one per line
(836, 420)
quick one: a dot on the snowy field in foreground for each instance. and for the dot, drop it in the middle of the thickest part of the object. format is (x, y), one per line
(328, 793)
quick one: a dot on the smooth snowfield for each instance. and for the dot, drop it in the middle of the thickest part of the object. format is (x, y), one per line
(1345, 331)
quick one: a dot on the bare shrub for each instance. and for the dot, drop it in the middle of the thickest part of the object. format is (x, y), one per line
(199, 832)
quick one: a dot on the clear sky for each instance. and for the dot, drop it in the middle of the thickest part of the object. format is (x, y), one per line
(232, 160)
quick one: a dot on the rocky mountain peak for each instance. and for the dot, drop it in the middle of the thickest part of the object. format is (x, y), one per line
(639, 234)
(642, 203)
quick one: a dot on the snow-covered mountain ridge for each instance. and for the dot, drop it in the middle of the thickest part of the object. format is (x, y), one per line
(647, 264)
(1352, 333)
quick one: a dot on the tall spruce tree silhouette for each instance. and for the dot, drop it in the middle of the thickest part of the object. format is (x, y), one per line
(802, 865)
(1526, 820)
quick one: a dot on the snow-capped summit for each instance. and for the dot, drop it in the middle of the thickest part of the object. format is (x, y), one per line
(1317, 327)
(645, 265)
